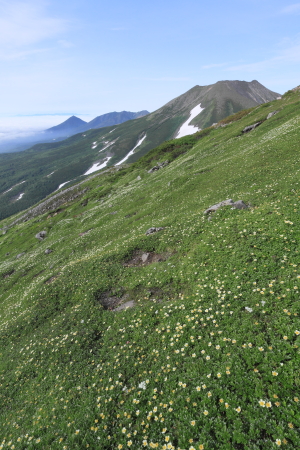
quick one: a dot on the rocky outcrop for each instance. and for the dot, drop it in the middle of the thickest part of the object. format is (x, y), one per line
(234, 205)
(41, 235)
(154, 230)
(159, 165)
(271, 114)
(251, 127)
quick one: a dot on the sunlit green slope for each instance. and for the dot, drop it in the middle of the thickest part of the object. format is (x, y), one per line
(208, 358)
(27, 177)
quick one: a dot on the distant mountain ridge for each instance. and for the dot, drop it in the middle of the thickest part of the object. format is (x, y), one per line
(75, 125)
(46, 167)
(69, 125)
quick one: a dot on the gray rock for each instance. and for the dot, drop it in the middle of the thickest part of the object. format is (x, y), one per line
(159, 165)
(251, 127)
(20, 255)
(48, 251)
(154, 230)
(41, 235)
(235, 205)
(126, 305)
(214, 208)
(138, 177)
(271, 114)
(240, 205)
(144, 257)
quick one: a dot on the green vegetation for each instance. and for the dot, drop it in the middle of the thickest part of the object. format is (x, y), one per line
(37, 172)
(208, 358)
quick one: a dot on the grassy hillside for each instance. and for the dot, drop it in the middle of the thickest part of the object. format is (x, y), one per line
(208, 357)
(37, 172)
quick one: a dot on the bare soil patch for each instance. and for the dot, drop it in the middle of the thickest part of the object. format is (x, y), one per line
(141, 258)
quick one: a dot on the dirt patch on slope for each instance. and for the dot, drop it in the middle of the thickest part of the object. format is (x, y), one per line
(108, 300)
(141, 258)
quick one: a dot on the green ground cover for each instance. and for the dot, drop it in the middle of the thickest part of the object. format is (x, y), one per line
(209, 356)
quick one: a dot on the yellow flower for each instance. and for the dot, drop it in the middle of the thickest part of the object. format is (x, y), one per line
(274, 373)
(201, 447)
(219, 375)
(285, 338)
(120, 446)
(278, 442)
(296, 399)
(221, 400)
(198, 388)
(268, 404)
(205, 412)
(129, 443)
(193, 423)
(238, 409)
(291, 425)
(226, 405)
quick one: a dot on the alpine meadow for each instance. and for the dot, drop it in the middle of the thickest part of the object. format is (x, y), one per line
(134, 315)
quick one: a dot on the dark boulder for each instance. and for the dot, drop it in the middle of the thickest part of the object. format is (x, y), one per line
(251, 127)
(154, 230)
(159, 165)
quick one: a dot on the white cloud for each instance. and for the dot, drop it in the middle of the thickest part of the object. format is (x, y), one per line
(291, 9)
(24, 25)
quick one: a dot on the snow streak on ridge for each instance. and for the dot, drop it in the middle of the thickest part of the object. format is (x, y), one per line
(187, 129)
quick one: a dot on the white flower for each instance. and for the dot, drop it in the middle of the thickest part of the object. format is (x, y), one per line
(142, 385)
(248, 309)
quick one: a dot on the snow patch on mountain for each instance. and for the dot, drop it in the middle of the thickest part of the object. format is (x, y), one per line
(18, 184)
(131, 151)
(20, 196)
(62, 184)
(187, 129)
(97, 166)
(106, 146)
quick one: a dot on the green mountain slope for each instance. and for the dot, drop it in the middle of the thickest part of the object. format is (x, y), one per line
(208, 357)
(45, 167)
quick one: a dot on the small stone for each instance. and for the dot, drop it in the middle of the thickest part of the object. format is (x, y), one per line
(139, 178)
(48, 251)
(20, 255)
(144, 257)
(41, 235)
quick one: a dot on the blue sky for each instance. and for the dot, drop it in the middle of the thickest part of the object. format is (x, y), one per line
(90, 57)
